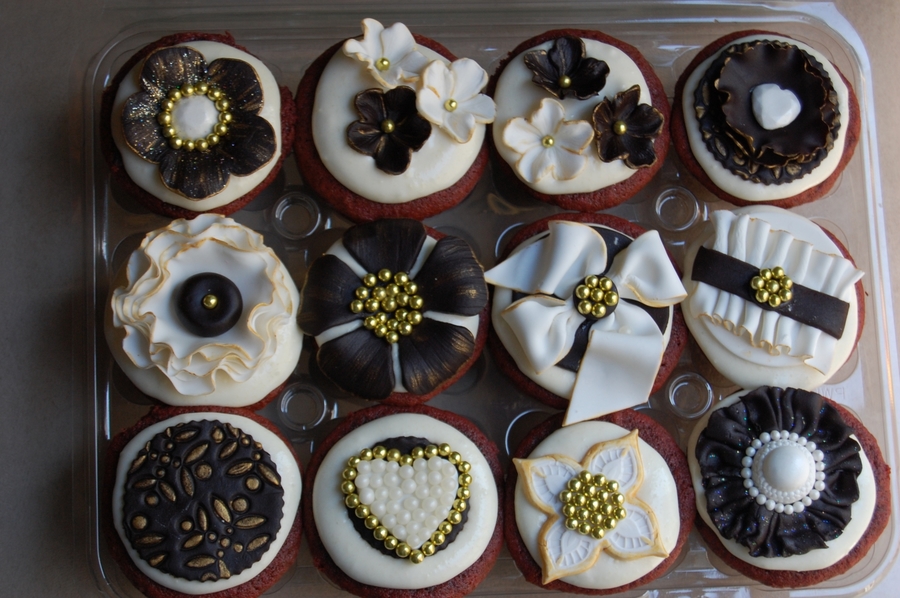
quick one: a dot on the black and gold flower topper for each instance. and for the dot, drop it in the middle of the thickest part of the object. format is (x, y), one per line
(380, 532)
(592, 504)
(596, 297)
(394, 306)
(389, 129)
(238, 141)
(564, 70)
(202, 501)
(772, 286)
(626, 130)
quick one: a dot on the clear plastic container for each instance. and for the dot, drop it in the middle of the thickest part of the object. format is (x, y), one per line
(299, 227)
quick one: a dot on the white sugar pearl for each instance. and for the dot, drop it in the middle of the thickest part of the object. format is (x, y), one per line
(761, 499)
(757, 443)
(403, 517)
(379, 466)
(376, 482)
(430, 504)
(389, 520)
(448, 498)
(798, 507)
(811, 447)
(775, 435)
(395, 493)
(415, 540)
(779, 508)
(788, 509)
(362, 481)
(420, 464)
(818, 455)
(450, 483)
(392, 479)
(399, 531)
(746, 473)
(820, 475)
(753, 492)
(435, 478)
(806, 501)
(364, 467)
(765, 437)
(366, 496)
(421, 477)
(438, 492)
(382, 494)
(770, 504)
(820, 466)
(419, 515)
(410, 503)
(415, 527)
(422, 492)
(750, 451)
(802, 440)
(392, 467)
(378, 508)
(748, 483)
(408, 486)
(747, 461)
(793, 436)
(814, 494)
(431, 522)
(395, 506)
(406, 472)
(819, 486)
(435, 464)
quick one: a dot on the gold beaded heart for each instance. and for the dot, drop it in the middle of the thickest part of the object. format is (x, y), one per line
(363, 470)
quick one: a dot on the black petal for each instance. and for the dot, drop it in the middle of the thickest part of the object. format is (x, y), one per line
(392, 156)
(248, 145)
(433, 354)
(327, 294)
(589, 78)
(544, 72)
(400, 103)
(639, 152)
(359, 362)
(644, 121)
(142, 132)
(565, 54)
(196, 175)
(370, 106)
(366, 138)
(168, 68)
(240, 83)
(392, 244)
(452, 280)
(413, 132)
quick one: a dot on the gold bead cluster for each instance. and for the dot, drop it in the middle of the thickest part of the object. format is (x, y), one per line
(165, 118)
(385, 295)
(772, 286)
(595, 296)
(592, 504)
(454, 517)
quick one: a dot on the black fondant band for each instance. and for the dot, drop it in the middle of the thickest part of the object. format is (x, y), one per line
(810, 307)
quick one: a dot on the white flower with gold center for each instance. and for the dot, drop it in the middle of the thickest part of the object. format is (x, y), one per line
(451, 98)
(390, 53)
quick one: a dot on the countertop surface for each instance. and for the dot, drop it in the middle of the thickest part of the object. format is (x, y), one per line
(46, 44)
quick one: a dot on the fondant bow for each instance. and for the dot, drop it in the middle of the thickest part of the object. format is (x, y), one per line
(624, 348)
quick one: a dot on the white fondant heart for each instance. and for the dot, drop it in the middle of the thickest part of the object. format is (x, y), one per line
(773, 106)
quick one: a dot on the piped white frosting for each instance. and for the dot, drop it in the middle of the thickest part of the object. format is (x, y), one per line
(517, 96)
(146, 174)
(163, 359)
(753, 347)
(352, 553)
(291, 482)
(837, 549)
(731, 183)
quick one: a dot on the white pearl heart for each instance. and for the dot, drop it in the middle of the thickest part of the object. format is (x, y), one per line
(773, 106)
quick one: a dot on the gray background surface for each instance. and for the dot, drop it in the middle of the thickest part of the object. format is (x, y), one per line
(45, 46)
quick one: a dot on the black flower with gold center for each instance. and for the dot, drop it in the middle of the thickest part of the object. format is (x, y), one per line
(625, 129)
(389, 128)
(564, 70)
(237, 144)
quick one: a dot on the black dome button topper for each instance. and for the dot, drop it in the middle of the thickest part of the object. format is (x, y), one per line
(209, 304)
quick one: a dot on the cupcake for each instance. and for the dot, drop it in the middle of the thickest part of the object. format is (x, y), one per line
(773, 298)
(599, 507)
(791, 488)
(193, 123)
(391, 125)
(203, 502)
(204, 314)
(762, 118)
(581, 119)
(398, 311)
(583, 302)
(404, 501)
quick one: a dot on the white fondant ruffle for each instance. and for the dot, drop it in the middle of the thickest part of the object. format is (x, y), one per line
(755, 242)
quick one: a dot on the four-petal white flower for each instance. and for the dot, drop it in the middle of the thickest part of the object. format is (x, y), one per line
(548, 144)
(450, 97)
(390, 53)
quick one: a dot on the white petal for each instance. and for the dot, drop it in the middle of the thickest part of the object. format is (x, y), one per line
(521, 136)
(573, 136)
(548, 117)
(525, 165)
(397, 42)
(410, 67)
(430, 106)
(545, 162)
(618, 463)
(549, 478)
(482, 107)
(566, 552)
(368, 49)
(567, 164)
(470, 79)
(460, 125)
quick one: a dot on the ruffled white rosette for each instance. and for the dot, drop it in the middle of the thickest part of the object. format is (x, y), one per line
(757, 242)
(236, 368)
(624, 349)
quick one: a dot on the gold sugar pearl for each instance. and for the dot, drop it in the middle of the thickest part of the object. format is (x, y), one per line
(210, 301)
(565, 82)
(403, 550)
(547, 141)
(619, 127)
(382, 64)
(416, 556)
(388, 126)
(450, 105)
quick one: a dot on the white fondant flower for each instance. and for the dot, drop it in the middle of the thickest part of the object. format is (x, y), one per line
(450, 97)
(624, 348)
(390, 54)
(566, 552)
(547, 144)
(146, 307)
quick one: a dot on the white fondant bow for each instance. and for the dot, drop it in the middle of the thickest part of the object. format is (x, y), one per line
(624, 349)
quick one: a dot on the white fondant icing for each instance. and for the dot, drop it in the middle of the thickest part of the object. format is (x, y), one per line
(284, 462)
(774, 107)
(439, 164)
(783, 352)
(837, 549)
(470, 323)
(733, 184)
(517, 96)
(146, 174)
(352, 553)
(538, 330)
(164, 360)
(658, 492)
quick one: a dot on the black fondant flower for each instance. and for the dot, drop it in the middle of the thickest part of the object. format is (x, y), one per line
(625, 130)
(451, 281)
(389, 128)
(564, 69)
(240, 146)
(760, 424)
